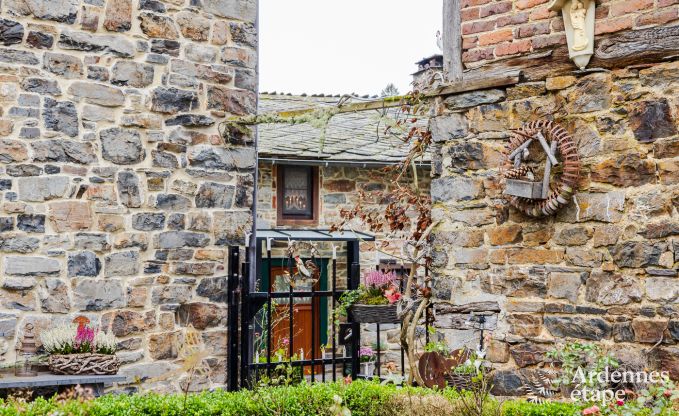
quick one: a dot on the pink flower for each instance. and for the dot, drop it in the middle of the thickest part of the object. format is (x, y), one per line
(366, 352)
(667, 393)
(591, 410)
(377, 279)
(621, 402)
(392, 294)
(84, 335)
(393, 298)
(286, 341)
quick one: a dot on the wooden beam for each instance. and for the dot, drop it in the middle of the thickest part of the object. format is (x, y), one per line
(479, 81)
(473, 82)
(488, 306)
(452, 40)
(630, 47)
(617, 50)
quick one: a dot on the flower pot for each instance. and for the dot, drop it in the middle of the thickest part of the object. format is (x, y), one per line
(567, 389)
(77, 364)
(374, 314)
(327, 355)
(368, 368)
(459, 381)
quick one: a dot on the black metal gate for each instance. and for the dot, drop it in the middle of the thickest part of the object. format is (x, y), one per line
(251, 304)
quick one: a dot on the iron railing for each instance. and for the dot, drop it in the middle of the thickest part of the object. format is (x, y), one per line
(247, 298)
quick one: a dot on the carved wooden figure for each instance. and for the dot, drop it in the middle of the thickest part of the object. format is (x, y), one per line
(578, 17)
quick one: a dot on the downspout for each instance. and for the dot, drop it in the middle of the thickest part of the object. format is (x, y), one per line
(251, 252)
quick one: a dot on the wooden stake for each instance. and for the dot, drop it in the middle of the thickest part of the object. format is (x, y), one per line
(545, 146)
(548, 171)
(520, 148)
(452, 40)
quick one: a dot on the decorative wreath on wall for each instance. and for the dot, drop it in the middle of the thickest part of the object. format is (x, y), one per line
(531, 195)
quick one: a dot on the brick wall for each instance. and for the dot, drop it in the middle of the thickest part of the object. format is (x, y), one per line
(119, 196)
(495, 29)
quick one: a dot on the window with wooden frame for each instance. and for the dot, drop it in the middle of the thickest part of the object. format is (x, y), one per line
(297, 195)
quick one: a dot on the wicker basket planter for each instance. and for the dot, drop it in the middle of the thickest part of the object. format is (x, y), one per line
(374, 314)
(459, 381)
(80, 364)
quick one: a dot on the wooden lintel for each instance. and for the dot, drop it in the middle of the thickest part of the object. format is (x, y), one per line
(469, 83)
(447, 307)
(613, 51)
(474, 82)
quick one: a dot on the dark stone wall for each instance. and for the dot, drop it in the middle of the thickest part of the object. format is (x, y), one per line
(603, 269)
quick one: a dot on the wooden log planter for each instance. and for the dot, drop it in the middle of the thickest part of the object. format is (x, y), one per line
(81, 364)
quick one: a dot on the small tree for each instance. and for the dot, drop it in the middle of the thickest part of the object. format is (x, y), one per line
(407, 215)
(390, 90)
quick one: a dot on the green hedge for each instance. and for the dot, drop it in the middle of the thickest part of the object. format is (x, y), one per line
(361, 397)
(520, 408)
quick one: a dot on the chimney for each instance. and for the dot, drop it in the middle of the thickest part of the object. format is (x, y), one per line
(425, 68)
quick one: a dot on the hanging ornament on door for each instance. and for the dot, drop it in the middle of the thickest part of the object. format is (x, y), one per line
(307, 271)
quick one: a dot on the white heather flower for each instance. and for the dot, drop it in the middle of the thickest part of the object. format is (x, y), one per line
(62, 340)
(105, 342)
(57, 340)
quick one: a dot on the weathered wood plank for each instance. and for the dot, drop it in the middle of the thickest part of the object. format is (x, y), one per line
(479, 81)
(488, 306)
(473, 82)
(631, 47)
(618, 50)
(452, 40)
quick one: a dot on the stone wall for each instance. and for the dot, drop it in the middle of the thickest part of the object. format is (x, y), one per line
(119, 196)
(604, 269)
(498, 29)
(338, 190)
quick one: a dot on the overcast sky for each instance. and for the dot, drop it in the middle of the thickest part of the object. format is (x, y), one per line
(344, 46)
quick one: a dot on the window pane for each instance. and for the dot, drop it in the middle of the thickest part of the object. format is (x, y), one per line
(297, 191)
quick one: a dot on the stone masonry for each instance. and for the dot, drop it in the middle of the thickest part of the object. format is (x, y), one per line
(119, 195)
(338, 188)
(604, 269)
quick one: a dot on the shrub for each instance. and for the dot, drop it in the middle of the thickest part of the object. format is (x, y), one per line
(362, 398)
(521, 408)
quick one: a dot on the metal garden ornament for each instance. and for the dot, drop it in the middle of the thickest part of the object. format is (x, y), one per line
(540, 197)
(307, 271)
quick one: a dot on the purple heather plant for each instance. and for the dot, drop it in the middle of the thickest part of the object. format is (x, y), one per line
(84, 338)
(379, 280)
(366, 354)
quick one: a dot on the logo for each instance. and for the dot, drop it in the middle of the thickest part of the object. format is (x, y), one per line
(591, 386)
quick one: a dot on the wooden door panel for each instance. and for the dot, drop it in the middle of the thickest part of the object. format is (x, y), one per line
(302, 324)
